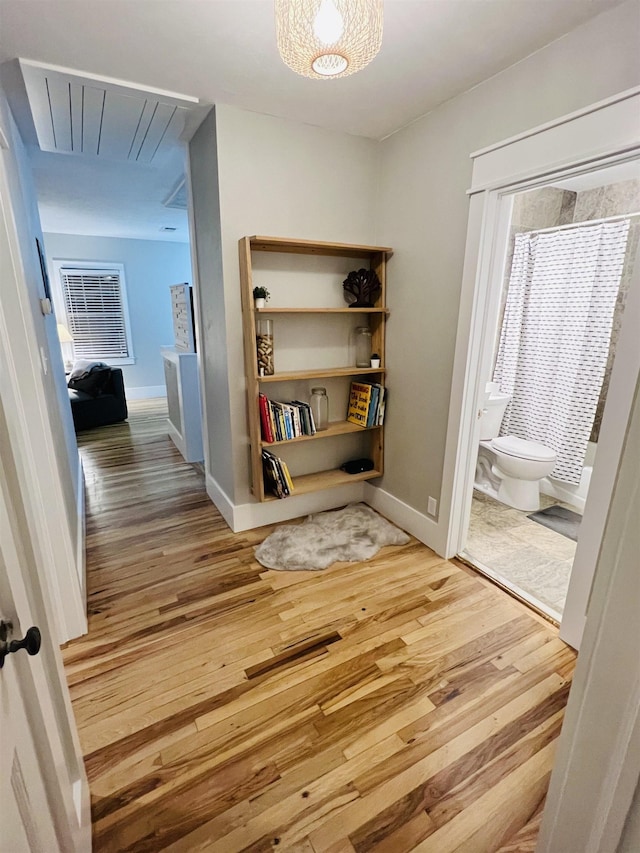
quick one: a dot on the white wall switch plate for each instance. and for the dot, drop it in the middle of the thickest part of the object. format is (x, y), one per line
(432, 506)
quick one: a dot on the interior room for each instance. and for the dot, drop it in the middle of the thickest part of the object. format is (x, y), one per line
(284, 595)
(533, 556)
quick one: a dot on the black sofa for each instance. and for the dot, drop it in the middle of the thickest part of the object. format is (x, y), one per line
(108, 407)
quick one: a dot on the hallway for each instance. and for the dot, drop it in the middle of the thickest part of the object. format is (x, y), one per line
(400, 704)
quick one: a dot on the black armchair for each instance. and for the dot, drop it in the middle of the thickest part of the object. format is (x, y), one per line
(108, 407)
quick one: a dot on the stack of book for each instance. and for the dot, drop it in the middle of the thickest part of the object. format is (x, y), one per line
(284, 421)
(366, 404)
(277, 479)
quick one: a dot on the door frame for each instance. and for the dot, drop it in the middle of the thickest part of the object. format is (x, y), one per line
(604, 134)
(597, 763)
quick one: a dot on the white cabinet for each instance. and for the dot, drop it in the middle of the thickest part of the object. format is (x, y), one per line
(183, 398)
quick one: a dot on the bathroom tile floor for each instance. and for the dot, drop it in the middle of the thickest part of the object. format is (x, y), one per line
(529, 557)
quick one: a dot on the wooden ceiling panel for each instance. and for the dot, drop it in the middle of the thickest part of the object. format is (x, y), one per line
(84, 115)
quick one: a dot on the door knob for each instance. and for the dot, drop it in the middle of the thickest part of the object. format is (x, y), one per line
(31, 641)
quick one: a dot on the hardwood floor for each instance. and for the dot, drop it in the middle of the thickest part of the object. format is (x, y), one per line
(395, 705)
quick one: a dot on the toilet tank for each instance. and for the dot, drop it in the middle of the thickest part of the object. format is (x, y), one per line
(492, 415)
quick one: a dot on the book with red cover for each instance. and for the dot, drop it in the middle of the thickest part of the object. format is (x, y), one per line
(265, 420)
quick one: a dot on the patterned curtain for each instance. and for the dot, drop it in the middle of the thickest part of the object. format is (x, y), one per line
(555, 336)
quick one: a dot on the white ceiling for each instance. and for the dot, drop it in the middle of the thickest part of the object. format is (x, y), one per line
(224, 51)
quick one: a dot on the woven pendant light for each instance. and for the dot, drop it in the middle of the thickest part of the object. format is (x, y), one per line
(328, 38)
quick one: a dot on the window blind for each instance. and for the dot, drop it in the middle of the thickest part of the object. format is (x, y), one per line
(94, 305)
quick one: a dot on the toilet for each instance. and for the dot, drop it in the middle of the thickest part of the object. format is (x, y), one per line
(509, 468)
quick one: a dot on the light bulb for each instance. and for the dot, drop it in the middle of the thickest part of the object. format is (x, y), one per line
(328, 24)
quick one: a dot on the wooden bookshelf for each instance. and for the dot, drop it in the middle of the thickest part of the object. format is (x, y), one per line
(376, 256)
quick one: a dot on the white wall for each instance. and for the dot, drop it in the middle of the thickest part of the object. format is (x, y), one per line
(279, 178)
(57, 398)
(212, 333)
(276, 178)
(424, 173)
(150, 267)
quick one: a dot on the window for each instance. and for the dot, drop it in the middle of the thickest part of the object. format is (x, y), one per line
(95, 305)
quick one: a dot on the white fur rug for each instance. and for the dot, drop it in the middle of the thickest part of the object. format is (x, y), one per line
(351, 534)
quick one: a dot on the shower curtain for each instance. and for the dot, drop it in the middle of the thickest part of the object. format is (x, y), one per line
(555, 336)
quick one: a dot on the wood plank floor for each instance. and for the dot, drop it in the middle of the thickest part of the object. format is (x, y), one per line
(395, 705)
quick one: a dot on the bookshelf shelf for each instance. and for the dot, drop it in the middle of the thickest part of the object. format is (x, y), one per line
(322, 373)
(376, 257)
(334, 428)
(325, 480)
(316, 247)
(322, 310)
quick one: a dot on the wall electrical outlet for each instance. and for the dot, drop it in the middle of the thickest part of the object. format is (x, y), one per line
(432, 506)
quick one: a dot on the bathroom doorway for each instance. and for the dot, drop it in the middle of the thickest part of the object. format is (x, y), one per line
(550, 356)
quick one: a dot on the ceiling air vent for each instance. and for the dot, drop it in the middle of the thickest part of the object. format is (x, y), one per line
(177, 198)
(77, 113)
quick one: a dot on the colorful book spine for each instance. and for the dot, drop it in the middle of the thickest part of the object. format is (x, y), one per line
(272, 479)
(277, 479)
(381, 406)
(307, 417)
(287, 476)
(285, 421)
(373, 405)
(278, 414)
(272, 419)
(297, 423)
(288, 427)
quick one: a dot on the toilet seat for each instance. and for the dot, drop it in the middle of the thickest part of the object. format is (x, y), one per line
(522, 449)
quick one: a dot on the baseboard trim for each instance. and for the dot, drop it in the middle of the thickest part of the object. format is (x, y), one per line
(220, 499)
(426, 529)
(146, 392)
(248, 516)
(251, 515)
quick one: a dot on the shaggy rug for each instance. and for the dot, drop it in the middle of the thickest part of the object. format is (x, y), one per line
(351, 534)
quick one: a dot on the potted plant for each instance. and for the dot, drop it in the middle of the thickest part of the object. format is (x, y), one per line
(260, 296)
(375, 360)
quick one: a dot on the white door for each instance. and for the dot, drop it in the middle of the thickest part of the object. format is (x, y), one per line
(44, 795)
(611, 444)
(44, 791)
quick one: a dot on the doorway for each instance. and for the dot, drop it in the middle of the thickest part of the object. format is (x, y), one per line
(532, 350)
(597, 137)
